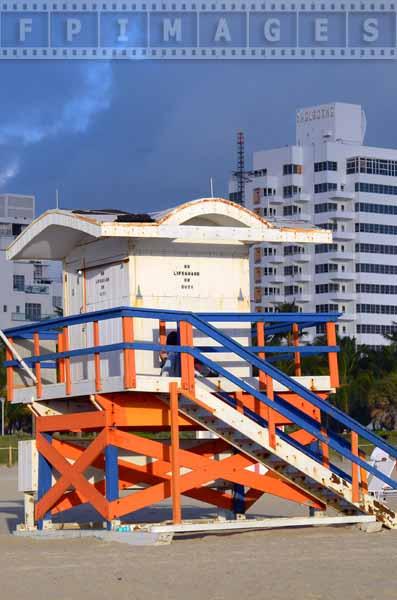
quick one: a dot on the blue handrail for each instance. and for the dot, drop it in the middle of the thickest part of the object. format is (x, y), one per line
(203, 324)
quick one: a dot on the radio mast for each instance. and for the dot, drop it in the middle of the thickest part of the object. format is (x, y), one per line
(241, 174)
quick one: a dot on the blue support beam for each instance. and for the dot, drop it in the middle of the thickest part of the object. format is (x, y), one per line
(275, 322)
(111, 474)
(238, 499)
(44, 478)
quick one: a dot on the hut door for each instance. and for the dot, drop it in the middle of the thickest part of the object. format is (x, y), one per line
(75, 306)
(107, 287)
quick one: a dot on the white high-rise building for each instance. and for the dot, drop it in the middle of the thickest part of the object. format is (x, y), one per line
(330, 178)
(30, 290)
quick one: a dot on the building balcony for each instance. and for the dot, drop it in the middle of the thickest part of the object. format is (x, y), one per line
(342, 195)
(37, 289)
(300, 257)
(302, 198)
(343, 276)
(276, 279)
(343, 296)
(343, 236)
(18, 316)
(273, 199)
(341, 215)
(275, 299)
(301, 277)
(344, 215)
(347, 318)
(300, 298)
(276, 260)
(33, 289)
(341, 256)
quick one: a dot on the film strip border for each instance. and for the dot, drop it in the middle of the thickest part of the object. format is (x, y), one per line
(197, 11)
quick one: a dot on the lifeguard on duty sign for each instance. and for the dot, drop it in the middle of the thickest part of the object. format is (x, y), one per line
(198, 30)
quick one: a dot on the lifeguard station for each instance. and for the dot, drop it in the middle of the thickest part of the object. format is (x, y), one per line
(129, 281)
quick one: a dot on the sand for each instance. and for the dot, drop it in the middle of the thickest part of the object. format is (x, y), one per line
(310, 564)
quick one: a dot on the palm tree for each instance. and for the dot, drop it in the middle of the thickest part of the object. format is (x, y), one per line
(383, 402)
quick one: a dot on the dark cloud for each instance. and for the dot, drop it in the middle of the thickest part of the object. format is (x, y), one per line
(144, 135)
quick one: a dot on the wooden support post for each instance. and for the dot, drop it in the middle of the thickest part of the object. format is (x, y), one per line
(61, 361)
(297, 356)
(162, 333)
(270, 412)
(97, 357)
(325, 449)
(175, 466)
(272, 428)
(261, 341)
(66, 348)
(37, 366)
(363, 474)
(330, 329)
(266, 384)
(187, 361)
(129, 353)
(28, 502)
(355, 468)
(10, 374)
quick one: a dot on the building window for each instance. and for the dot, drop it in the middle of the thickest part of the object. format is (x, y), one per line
(6, 229)
(326, 288)
(327, 268)
(376, 228)
(323, 248)
(19, 283)
(32, 311)
(292, 169)
(373, 268)
(18, 309)
(330, 226)
(371, 166)
(57, 301)
(376, 188)
(5, 308)
(38, 272)
(291, 250)
(377, 309)
(291, 290)
(376, 329)
(290, 211)
(327, 165)
(376, 249)
(17, 228)
(291, 190)
(380, 209)
(324, 308)
(372, 288)
(323, 188)
(325, 207)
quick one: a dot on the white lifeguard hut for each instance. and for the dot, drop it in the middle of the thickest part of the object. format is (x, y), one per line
(193, 257)
(128, 280)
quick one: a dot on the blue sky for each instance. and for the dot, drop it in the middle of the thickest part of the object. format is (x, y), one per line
(145, 135)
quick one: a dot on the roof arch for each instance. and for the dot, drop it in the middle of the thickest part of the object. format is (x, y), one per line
(51, 235)
(216, 212)
(56, 233)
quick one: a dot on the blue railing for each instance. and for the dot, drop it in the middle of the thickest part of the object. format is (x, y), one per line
(281, 322)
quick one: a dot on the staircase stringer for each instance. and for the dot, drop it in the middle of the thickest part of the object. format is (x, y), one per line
(291, 456)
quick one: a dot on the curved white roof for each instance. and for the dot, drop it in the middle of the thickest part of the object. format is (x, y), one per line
(54, 234)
